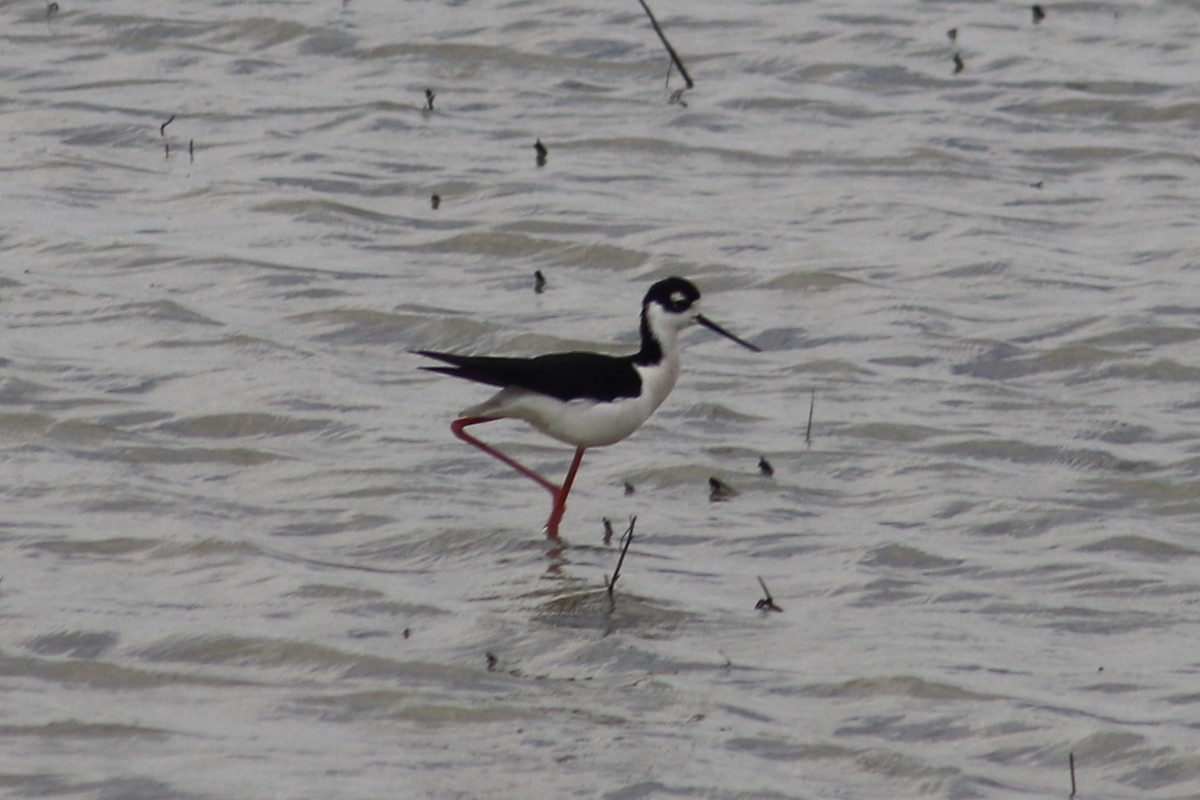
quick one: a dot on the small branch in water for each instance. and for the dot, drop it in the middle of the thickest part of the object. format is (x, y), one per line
(539, 282)
(626, 539)
(764, 467)
(541, 151)
(1071, 758)
(670, 50)
(608, 530)
(162, 129)
(768, 602)
(719, 491)
(429, 95)
(812, 403)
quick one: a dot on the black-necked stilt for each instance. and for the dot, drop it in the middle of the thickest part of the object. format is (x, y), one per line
(584, 399)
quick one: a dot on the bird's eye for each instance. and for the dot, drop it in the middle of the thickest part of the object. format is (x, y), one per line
(679, 301)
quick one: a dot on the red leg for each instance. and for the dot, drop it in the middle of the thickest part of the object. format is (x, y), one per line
(462, 422)
(559, 492)
(560, 498)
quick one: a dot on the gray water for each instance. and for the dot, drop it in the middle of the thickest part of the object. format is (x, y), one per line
(243, 556)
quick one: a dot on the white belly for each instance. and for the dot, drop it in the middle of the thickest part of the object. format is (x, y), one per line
(584, 423)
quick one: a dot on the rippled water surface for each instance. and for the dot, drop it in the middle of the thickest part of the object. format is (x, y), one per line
(244, 557)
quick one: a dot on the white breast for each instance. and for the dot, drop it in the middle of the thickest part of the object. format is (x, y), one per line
(585, 423)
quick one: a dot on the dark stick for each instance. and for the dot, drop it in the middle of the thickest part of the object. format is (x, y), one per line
(812, 403)
(162, 129)
(670, 50)
(191, 150)
(1072, 762)
(627, 539)
(768, 602)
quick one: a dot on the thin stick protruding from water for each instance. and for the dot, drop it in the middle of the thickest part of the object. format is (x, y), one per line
(626, 540)
(1071, 760)
(768, 602)
(670, 50)
(812, 403)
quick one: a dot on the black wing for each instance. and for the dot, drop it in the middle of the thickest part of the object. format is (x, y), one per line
(565, 376)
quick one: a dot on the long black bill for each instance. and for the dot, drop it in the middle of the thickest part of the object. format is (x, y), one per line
(715, 328)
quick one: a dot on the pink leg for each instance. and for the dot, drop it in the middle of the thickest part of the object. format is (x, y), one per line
(560, 498)
(559, 492)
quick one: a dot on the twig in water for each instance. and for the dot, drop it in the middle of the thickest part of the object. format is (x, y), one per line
(541, 151)
(539, 282)
(608, 531)
(764, 467)
(167, 149)
(719, 491)
(435, 201)
(191, 150)
(429, 95)
(162, 129)
(1071, 761)
(958, 63)
(626, 539)
(629, 488)
(812, 403)
(492, 661)
(1039, 13)
(670, 50)
(768, 602)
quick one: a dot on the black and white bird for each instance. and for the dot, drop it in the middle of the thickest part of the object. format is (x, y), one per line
(584, 399)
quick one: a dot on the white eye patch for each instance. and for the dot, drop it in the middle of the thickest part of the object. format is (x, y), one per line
(679, 300)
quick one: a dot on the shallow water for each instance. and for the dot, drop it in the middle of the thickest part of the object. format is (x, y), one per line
(244, 557)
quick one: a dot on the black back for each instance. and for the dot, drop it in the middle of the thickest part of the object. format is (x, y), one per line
(565, 376)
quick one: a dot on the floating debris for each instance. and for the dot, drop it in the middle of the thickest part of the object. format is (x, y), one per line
(768, 602)
(764, 467)
(539, 282)
(541, 151)
(1039, 13)
(719, 491)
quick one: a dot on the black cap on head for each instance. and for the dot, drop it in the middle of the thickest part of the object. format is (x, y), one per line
(674, 294)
